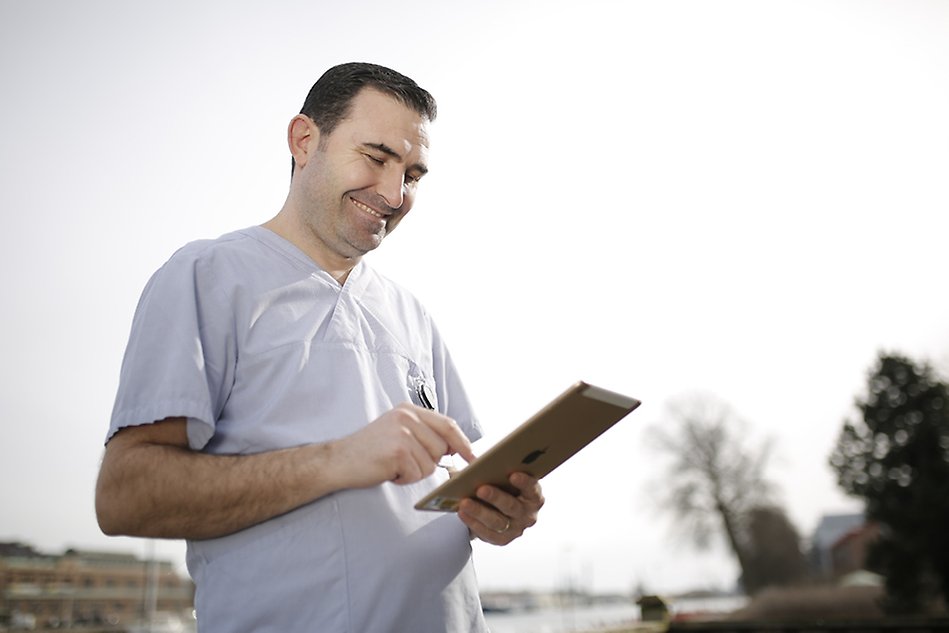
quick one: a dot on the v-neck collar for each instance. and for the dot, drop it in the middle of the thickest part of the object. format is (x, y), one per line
(355, 280)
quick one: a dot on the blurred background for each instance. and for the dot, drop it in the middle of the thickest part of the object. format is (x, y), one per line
(737, 203)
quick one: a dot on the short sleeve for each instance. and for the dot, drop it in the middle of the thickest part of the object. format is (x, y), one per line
(180, 357)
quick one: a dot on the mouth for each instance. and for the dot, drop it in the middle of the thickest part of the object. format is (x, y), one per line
(367, 209)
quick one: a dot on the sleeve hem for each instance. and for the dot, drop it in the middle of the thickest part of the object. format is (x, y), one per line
(200, 428)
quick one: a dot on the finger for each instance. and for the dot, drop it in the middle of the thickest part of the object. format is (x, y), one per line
(449, 431)
(482, 533)
(486, 523)
(529, 487)
(504, 503)
(414, 461)
(407, 472)
(423, 427)
(458, 442)
(425, 435)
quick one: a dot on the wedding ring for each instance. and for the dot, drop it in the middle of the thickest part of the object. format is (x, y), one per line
(506, 527)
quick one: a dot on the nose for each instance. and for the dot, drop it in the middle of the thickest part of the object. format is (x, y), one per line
(392, 188)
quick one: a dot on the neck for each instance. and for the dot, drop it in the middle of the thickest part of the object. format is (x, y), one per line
(289, 227)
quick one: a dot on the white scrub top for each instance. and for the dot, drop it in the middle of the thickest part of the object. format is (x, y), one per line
(260, 349)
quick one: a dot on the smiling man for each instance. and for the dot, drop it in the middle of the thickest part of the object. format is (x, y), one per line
(270, 405)
(353, 186)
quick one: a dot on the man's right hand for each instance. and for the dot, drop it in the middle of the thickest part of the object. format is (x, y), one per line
(402, 445)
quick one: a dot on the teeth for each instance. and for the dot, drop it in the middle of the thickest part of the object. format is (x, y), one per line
(367, 209)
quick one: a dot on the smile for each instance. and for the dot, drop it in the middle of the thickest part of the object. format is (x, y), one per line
(368, 210)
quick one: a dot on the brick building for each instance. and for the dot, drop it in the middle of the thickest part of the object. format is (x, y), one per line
(84, 588)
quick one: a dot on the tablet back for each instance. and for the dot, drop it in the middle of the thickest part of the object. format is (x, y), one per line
(550, 437)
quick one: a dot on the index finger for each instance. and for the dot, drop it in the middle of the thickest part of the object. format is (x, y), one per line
(448, 430)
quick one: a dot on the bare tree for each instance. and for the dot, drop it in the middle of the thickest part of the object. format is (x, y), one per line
(715, 477)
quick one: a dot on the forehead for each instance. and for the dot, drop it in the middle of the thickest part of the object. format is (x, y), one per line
(375, 117)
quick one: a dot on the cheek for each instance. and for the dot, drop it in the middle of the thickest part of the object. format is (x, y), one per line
(352, 176)
(361, 176)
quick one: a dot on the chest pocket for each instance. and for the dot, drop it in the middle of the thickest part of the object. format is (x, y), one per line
(404, 336)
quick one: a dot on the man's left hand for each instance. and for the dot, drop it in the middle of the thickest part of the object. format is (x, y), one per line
(498, 517)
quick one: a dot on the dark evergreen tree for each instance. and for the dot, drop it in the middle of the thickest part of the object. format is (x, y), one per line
(896, 457)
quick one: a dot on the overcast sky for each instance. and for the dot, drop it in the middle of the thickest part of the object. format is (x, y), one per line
(747, 199)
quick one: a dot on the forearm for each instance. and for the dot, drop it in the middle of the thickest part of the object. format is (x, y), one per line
(152, 484)
(156, 490)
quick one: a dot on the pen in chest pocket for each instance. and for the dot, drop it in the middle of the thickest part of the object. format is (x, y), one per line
(427, 398)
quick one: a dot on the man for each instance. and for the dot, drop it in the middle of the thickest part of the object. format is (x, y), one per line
(282, 406)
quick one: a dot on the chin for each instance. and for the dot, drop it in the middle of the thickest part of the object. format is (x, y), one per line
(364, 246)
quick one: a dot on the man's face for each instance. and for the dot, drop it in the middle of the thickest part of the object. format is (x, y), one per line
(360, 181)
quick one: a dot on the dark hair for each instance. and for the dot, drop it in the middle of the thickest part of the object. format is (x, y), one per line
(330, 99)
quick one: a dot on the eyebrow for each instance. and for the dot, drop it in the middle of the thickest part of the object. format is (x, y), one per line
(388, 151)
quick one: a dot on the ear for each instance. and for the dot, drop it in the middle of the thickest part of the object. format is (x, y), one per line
(303, 137)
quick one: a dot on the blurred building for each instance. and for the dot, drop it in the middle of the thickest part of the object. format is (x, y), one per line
(839, 544)
(85, 588)
(849, 552)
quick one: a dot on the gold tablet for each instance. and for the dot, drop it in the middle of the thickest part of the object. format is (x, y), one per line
(549, 438)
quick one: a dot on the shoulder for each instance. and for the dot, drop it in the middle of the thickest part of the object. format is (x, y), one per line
(236, 257)
(218, 251)
(207, 269)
